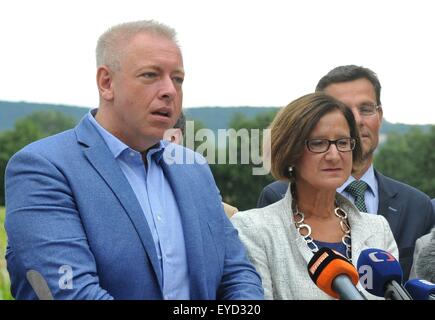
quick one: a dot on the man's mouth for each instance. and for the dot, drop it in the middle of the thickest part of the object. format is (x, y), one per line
(163, 112)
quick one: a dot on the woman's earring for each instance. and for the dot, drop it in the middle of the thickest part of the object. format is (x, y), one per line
(290, 171)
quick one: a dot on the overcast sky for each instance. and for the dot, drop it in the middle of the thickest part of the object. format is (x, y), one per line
(236, 52)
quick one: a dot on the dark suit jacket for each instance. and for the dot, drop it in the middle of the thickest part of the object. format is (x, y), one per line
(410, 214)
(272, 193)
(408, 211)
(69, 204)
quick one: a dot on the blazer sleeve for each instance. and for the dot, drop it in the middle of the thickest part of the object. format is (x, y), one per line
(46, 233)
(240, 280)
(251, 238)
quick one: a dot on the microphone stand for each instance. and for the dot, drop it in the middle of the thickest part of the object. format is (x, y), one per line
(394, 291)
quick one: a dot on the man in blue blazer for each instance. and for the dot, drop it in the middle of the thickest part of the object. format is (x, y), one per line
(109, 211)
(408, 210)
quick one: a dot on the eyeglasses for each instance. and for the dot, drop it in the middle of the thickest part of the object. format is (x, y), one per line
(368, 110)
(322, 145)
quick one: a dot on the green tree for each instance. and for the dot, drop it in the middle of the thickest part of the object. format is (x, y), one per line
(238, 186)
(5, 293)
(49, 122)
(410, 158)
(35, 126)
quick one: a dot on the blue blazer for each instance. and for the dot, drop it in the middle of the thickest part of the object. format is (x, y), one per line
(70, 207)
(408, 211)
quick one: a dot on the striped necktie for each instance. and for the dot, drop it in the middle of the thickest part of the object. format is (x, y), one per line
(357, 189)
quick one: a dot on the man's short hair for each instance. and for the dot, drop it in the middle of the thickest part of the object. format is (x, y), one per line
(110, 43)
(350, 73)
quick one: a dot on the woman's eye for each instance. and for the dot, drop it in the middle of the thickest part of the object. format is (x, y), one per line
(317, 143)
(343, 143)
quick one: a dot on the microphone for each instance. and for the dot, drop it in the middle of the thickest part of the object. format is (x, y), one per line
(382, 273)
(39, 285)
(334, 274)
(421, 289)
(425, 261)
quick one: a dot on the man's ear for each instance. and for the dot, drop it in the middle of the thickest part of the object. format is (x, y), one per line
(104, 83)
(381, 114)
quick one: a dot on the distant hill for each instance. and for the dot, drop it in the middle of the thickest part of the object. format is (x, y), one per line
(212, 117)
(12, 111)
(220, 117)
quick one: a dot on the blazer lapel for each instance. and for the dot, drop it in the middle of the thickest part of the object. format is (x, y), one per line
(389, 205)
(359, 230)
(288, 221)
(181, 183)
(359, 235)
(104, 163)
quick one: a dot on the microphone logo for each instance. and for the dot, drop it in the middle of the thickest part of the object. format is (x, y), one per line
(366, 271)
(426, 282)
(381, 256)
(318, 262)
(366, 276)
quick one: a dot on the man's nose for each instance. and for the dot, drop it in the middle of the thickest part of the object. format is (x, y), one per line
(168, 89)
(358, 118)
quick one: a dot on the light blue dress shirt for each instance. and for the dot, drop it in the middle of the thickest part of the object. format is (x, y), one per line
(371, 195)
(160, 208)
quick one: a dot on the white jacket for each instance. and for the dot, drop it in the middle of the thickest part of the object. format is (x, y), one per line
(281, 255)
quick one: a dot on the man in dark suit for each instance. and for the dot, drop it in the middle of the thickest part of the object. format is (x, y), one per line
(105, 211)
(408, 210)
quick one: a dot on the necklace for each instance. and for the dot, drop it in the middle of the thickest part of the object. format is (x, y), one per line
(304, 230)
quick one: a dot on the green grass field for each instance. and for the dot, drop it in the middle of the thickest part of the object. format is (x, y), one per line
(4, 278)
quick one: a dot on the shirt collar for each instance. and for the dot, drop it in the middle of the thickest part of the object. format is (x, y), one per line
(368, 177)
(156, 151)
(117, 147)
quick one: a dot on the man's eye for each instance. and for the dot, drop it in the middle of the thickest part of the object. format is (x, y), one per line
(178, 80)
(149, 75)
(366, 109)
